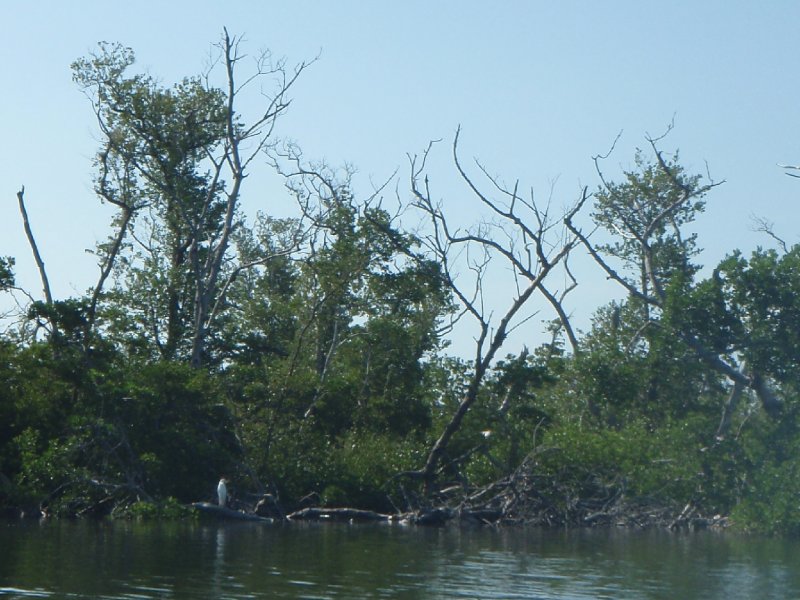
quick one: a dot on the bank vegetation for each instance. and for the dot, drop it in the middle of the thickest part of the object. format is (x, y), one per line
(307, 359)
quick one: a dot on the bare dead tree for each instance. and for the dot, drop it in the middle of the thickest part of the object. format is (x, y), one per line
(48, 296)
(525, 236)
(243, 143)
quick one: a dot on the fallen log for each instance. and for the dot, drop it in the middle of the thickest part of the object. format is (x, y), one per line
(221, 512)
(435, 517)
(482, 516)
(337, 514)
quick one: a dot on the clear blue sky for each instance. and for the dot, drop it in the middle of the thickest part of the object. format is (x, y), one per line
(538, 88)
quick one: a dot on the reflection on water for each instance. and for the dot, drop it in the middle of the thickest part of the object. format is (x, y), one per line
(252, 560)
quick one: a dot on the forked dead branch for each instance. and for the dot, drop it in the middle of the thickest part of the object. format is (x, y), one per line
(525, 237)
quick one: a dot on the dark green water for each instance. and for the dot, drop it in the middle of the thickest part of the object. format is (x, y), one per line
(119, 560)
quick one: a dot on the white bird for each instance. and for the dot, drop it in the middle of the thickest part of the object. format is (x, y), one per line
(222, 492)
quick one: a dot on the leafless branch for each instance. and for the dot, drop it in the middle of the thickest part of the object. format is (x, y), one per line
(791, 167)
(557, 302)
(762, 225)
(34, 248)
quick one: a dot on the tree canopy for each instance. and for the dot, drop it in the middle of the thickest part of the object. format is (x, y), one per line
(307, 358)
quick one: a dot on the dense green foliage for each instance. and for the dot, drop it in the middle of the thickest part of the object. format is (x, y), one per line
(322, 374)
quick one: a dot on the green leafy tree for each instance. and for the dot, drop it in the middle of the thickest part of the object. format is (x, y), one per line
(747, 310)
(6, 272)
(333, 347)
(174, 160)
(666, 277)
(646, 215)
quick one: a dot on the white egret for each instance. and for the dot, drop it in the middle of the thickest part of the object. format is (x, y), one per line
(222, 492)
